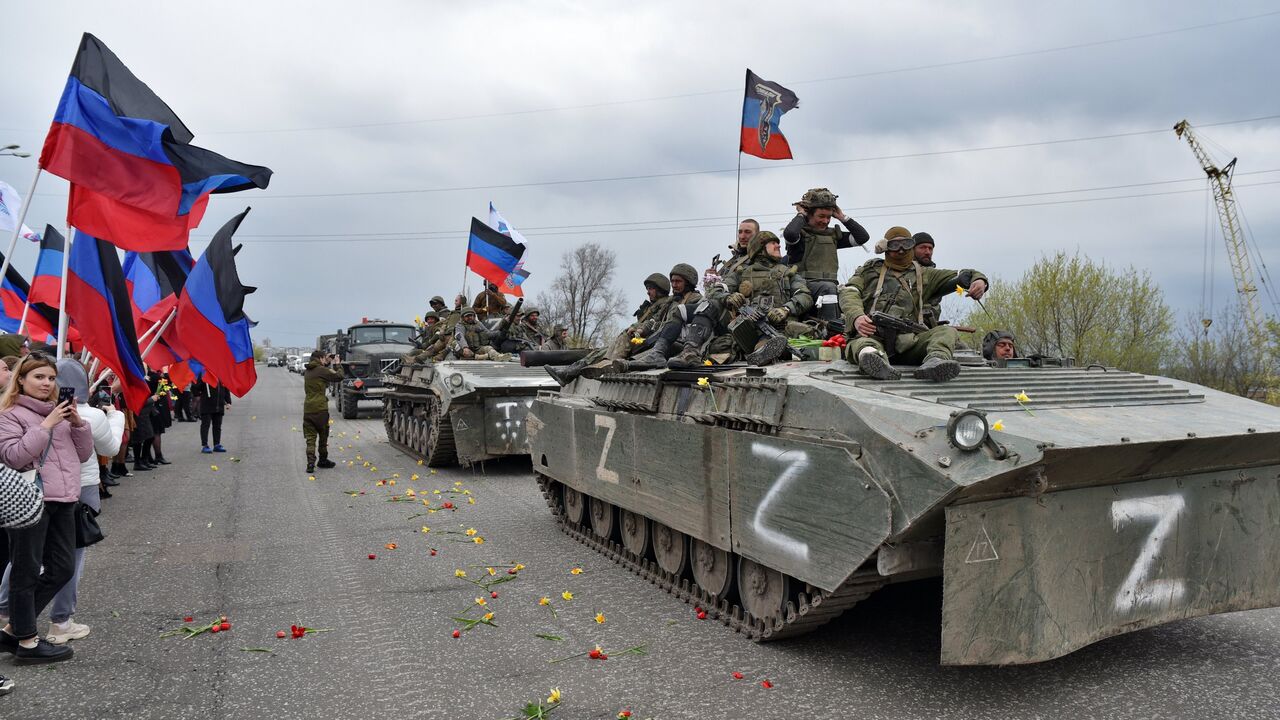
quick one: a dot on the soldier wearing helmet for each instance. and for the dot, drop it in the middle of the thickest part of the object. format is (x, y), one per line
(557, 340)
(900, 287)
(427, 339)
(812, 244)
(650, 317)
(687, 324)
(998, 346)
(472, 340)
(526, 334)
(767, 284)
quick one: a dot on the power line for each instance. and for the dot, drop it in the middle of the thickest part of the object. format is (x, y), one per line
(719, 225)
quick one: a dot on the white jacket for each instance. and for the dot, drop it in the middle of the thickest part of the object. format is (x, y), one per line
(107, 429)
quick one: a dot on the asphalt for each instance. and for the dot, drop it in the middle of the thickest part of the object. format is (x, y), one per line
(258, 541)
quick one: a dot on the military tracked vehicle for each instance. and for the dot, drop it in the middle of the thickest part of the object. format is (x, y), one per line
(367, 350)
(461, 411)
(1060, 505)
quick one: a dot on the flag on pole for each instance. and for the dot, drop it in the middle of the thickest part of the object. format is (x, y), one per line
(762, 110)
(136, 179)
(10, 210)
(46, 281)
(511, 286)
(154, 281)
(211, 323)
(98, 301)
(42, 322)
(490, 254)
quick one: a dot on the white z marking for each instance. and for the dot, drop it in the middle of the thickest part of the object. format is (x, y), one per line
(1139, 588)
(609, 424)
(798, 464)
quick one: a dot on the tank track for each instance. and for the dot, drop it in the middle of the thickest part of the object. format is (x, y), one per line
(813, 608)
(442, 454)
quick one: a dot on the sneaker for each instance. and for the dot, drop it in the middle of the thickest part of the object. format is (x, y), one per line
(43, 652)
(206, 450)
(6, 685)
(326, 463)
(61, 633)
(219, 448)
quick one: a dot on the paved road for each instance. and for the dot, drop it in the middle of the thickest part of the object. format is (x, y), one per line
(259, 542)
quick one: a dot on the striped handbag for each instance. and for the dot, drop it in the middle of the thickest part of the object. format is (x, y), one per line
(21, 500)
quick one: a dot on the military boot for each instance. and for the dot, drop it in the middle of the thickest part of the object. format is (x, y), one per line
(692, 338)
(768, 350)
(937, 369)
(654, 357)
(876, 366)
(566, 374)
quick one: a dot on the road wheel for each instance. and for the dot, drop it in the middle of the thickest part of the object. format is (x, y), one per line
(574, 506)
(635, 533)
(670, 549)
(603, 519)
(712, 568)
(763, 591)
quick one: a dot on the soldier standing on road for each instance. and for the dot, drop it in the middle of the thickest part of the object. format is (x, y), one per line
(812, 244)
(650, 316)
(490, 303)
(315, 408)
(899, 287)
(764, 282)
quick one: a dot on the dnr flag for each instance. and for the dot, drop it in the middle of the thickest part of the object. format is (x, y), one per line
(490, 254)
(46, 283)
(762, 110)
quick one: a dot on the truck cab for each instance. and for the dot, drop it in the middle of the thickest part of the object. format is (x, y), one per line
(367, 351)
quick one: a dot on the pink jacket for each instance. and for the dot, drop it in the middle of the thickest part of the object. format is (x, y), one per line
(22, 442)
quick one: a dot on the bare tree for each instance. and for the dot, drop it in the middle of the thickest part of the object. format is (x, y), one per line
(1222, 357)
(583, 297)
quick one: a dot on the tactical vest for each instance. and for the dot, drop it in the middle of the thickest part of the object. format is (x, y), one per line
(820, 261)
(897, 293)
(654, 309)
(767, 281)
(472, 334)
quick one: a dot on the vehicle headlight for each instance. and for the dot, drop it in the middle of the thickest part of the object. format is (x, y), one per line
(455, 380)
(967, 429)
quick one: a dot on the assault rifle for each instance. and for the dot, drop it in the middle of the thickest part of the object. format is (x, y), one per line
(889, 328)
(751, 325)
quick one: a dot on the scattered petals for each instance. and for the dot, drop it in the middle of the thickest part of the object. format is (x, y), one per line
(457, 634)
(737, 676)
(492, 571)
(372, 556)
(766, 684)
(390, 546)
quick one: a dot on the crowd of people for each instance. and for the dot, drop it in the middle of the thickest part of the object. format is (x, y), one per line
(75, 434)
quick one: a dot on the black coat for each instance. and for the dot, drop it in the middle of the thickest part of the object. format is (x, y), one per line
(211, 399)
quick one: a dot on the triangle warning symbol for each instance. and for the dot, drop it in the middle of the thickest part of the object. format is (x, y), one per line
(982, 550)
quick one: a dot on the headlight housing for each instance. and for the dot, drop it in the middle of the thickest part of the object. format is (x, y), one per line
(967, 429)
(455, 380)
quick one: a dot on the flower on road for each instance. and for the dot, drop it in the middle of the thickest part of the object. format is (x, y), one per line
(554, 697)
(600, 618)
(566, 595)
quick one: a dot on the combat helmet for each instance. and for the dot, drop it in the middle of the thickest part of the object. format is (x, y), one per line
(531, 311)
(430, 314)
(436, 299)
(660, 282)
(755, 246)
(686, 271)
(818, 198)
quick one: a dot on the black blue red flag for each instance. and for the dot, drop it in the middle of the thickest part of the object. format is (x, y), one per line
(98, 302)
(154, 281)
(42, 321)
(46, 282)
(136, 179)
(211, 324)
(490, 254)
(762, 110)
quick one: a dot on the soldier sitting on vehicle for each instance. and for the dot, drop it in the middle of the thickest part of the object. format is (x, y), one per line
(762, 296)
(638, 337)
(490, 303)
(812, 244)
(429, 340)
(557, 340)
(471, 340)
(686, 326)
(737, 254)
(999, 345)
(524, 334)
(883, 305)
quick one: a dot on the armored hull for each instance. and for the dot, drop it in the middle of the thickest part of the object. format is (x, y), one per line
(461, 411)
(775, 498)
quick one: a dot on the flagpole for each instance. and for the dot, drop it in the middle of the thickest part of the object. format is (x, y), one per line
(162, 327)
(17, 228)
(737, 198)
(62, 295)
(152, 330)
(26, 308)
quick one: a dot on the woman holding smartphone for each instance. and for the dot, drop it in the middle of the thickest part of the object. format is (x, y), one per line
(41, 430)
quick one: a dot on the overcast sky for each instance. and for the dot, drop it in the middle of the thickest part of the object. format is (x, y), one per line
(390, 124)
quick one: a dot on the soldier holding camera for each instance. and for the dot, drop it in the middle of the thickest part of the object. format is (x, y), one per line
(315, 407)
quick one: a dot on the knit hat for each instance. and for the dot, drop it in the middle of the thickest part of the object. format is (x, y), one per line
(71, 374)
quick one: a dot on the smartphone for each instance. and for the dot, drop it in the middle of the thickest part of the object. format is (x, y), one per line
(67, 394)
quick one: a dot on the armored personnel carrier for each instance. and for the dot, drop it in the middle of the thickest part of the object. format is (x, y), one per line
(368, 350)
(461, 411)
(1060, 505)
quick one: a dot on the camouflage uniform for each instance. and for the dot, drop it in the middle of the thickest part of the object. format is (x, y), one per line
(770, 285)
(687, 325)
(473, 337)
(900, 293)
(650, 316)
(554, 341)
(428, 339)
(813, 251)
(524, 335)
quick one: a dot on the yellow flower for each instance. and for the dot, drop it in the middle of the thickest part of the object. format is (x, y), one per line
(395, 475)
(433, 472)
(427, 503)
(481, 601)
(600, 618)
(576, 571)
(566, 595)
(426, 529)
(544, 601)
(471, 532)
(389, 482)
(492, 571)
(414, 476)
(554, 697)
(519, 566)
(417, 319)
(959, 290)
(466, 492)
(637, 341)
(1022, 397)
(488, 616)
(213, 468)
(410, 493)
(375, 469)
(435, 492)
(471, 501)
(366, 463)
(380, 483)
(419, 462)
(997, 425)
(477, 540)
(707, 363)
(460, 573)
(457, 483)
(703, 382)
(311, 477)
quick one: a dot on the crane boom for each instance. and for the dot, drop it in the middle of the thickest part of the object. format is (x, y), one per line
(1233, 234)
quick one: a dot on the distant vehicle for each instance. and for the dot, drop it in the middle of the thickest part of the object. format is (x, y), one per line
(289, 360)
(297, 366)
(367, 351)
(273, 361)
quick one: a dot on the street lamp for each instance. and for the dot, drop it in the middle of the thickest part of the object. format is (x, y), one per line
(9, 150)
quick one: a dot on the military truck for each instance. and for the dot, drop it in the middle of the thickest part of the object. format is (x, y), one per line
(462, 411)
(368, 350)
(1059, 505)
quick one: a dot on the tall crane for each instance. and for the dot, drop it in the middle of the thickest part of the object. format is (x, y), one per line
(1237, 248)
